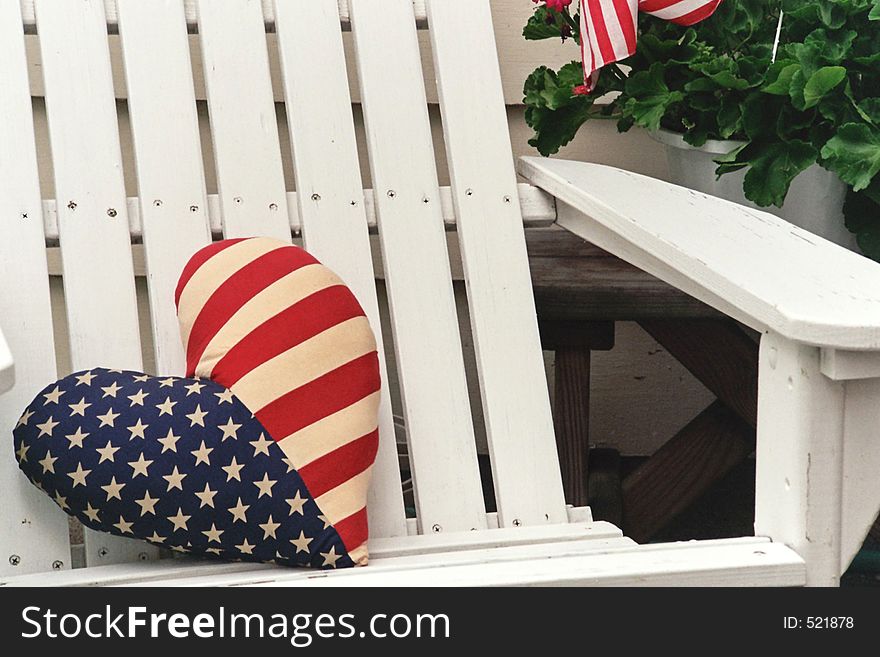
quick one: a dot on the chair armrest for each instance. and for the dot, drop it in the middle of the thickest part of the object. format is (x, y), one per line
(7, 367)
(751, 265)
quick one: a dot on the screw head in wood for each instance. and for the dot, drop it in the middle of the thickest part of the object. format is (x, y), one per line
(516, 522)
(507, 199)
(238, 200)
(14, 559)
(57, 565)
(111, 212)
(142, 556)
(469, 192)
(391, 193)
(71, 205)
(157, 203)
(103, 552)
(316, 197)
(24, 215)
(436, 529)
(194, 208)
(273, 207)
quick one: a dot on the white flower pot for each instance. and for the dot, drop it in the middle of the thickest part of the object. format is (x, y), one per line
(814, 202)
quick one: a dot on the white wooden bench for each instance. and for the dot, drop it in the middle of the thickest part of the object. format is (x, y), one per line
(817, 305)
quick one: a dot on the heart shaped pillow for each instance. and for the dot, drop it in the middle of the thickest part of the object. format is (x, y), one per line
(262, 454)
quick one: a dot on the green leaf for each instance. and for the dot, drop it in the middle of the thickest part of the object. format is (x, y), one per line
(774, 165)
(543, 24)
(781, 84)
(729, 117)
(650, 97)
(822, 82)
(874, 14)
(854, 154)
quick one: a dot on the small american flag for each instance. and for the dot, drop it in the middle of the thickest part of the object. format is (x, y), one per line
(608, 27)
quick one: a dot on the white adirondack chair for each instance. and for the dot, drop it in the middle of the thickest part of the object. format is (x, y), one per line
(817, 305)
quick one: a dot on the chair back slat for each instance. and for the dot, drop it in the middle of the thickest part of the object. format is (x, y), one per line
(92, 216)
(33, 531)
(331, 200)
(430, 363)
(173, 204)
(247, 155)
(516, 407)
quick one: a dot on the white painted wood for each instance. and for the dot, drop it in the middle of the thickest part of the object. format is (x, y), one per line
(244, 128)
(33, 531)
(93, 225)
(331, 203)
(191, 12)
(839, 365)
(538, 210)
(421, 299)
(816, 293)
(800, 456)
(510, 363)
(168, 155)
(861, 465)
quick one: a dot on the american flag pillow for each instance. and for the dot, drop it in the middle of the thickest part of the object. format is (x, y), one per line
(261, 453)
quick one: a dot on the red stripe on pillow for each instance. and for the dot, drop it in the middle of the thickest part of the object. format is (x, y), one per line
(236, 291)
(353, 530)
(322, 397)
(200, 258)
(296, 324)
(340, 465)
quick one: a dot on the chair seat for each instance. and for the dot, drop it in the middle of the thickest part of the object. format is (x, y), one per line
(582, 554)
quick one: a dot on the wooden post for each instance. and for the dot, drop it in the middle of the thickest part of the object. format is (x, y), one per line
(800, 456)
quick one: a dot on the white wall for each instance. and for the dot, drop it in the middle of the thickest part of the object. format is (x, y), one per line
(640, 395)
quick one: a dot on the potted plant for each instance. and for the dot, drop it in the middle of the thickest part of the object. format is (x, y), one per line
(787, 118)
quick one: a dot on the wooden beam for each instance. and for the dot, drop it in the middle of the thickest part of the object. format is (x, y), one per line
(680, 472)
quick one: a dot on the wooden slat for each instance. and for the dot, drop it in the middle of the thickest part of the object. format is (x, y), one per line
(173, 205)
(331, 203)
(191, 12)
(538, 210)
(427, 342)
(93, 224)
(516, 406)
(33, 531)
(250, 178)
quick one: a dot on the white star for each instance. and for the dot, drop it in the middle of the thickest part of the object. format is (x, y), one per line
(330, 558)
(61, 501)
(76, 439)
(169, 442)
(141, 379)
(239, 511)
(123, 526)
(245, 547)
(225, 396)
(25, 417)
(232, 470)
(85, 378)
(137, 399)
(91, 514)
(137, 430)
(289, 465)
(301, 543)
(197, 416)
(166, 407)
(175, 479)
(202, 453)
(296, 503)
(261, 445)
(213, 550)
(107, 452)
(265, 485)
(53, 397)
(113, 489)
(48, 463)
(206, 497)
(79, 475)
(323, 519)
(155, 538)
(80, 408)
(179, 548)
(47, 427)
(269, 528)
(167, 383)
(230, 430)
(194, 388)
(111, 390)
(179, 520)
(213, 534)
(140, 466)
(147, 503)
(108, 418)
(22, 451)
